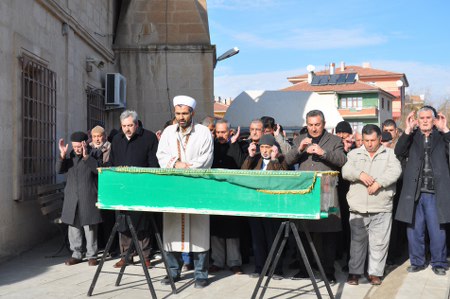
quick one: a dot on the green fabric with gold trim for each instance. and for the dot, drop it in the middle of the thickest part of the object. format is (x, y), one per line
(285, 194)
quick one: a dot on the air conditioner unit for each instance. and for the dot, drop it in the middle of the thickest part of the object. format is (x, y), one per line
(115, 90)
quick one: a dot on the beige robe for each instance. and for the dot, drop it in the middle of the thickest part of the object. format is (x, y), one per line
(186, 232)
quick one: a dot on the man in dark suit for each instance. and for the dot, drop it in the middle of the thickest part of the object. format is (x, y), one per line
(225, 230)
(318, 150)
(134, 146)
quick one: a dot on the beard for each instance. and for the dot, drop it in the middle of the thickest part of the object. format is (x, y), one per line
(265, 156)
(221, 140)
(186, 124)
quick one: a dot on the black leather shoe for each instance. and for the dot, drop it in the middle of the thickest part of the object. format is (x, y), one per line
(201, 283)
(412, 268)
(300, 275)
(277, 276)
(438, 270)
(331, 278)
(166, 281)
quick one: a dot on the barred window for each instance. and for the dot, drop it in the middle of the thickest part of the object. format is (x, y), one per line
(96, 114)
(38, 126)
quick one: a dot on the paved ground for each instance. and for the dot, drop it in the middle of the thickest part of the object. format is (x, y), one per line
(31, 275)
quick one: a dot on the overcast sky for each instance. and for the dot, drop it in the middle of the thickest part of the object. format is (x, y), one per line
(278, 39)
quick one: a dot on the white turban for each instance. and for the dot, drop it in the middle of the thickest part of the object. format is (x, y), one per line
(184, 100)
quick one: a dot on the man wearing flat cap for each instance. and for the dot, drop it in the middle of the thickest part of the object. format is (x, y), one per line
(264, 230)
(186, 145)
(80, 196)
(345, 132)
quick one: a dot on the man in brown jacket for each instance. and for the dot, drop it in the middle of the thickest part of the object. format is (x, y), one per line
(264, 230)
(318, 150)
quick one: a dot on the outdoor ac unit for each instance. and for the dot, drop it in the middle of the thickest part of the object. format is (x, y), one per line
(115, 90)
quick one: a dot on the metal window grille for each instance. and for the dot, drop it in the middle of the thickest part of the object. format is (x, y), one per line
(38, 126)
(96, 112)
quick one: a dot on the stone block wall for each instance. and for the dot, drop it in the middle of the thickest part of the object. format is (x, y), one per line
(34, 28)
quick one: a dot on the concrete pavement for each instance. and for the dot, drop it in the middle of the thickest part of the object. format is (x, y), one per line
(31, 275)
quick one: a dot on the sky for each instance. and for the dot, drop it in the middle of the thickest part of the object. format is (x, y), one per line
(278, 39)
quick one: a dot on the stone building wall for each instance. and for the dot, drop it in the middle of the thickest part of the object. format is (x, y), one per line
(164, 49)
(161, 46)
(35, 29)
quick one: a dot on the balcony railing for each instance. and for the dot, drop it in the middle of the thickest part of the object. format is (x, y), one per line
(368, 111)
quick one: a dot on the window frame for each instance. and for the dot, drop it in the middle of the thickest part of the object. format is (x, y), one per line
(38, 116)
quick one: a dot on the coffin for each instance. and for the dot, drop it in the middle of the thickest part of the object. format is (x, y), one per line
(276, 194)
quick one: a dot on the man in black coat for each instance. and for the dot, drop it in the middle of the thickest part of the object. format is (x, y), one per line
(134, 146)
(424, 201)
(80, 195)
(225, 230)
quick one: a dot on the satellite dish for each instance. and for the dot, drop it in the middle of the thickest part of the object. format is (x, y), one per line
(399, 83)
(310, 68)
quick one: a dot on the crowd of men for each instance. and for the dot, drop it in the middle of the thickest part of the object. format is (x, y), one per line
(392, 185)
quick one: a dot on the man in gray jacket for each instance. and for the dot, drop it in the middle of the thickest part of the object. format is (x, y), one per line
(373, 171)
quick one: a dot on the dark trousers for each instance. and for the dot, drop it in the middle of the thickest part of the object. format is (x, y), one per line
(263, 232)
(426, 217)
(201, 264)
(125, 243)
(325, 244)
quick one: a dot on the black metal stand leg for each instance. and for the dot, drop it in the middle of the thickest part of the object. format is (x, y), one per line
(102, 260)
(317, 259)
(163, 255)
(269, 259)
(305, 259)
(141, 256)
(277, 258)
(126, 259)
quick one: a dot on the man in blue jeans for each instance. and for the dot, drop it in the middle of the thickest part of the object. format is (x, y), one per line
(424, 202)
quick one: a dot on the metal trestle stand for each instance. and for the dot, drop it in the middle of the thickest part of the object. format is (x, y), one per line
(283, 232)
(134, 244)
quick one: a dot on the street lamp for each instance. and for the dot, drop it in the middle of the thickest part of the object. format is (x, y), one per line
(227, 55)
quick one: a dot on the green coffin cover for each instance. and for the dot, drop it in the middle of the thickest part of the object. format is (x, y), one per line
(278, 194)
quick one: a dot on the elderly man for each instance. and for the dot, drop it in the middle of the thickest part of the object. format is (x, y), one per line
(225, 245)
(79, 210)
(134, 146)
(100, 149)
(318, 150)
(358, 140)
(264, 230)
(99, 145)
(372, 171)
(186, 145)
(424, 201)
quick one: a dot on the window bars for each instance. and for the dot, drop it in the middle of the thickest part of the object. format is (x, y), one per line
(38, 126)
